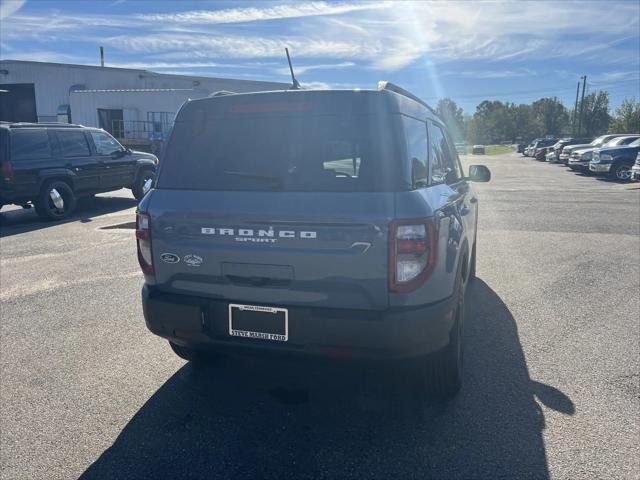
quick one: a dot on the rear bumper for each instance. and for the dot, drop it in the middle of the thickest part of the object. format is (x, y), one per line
(635, 172)
(394, 333)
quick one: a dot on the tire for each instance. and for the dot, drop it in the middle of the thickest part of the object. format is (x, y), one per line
(620, 172)
(197, 357)
(472, 267)
(186, 353)
(45, 206)
(443, 375)
(138, 187)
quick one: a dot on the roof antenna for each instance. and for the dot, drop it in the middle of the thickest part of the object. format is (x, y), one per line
(296, 85)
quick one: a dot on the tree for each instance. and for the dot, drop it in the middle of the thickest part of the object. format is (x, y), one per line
(452, 116)
(627, 117)
(551, 114)
(595, 114)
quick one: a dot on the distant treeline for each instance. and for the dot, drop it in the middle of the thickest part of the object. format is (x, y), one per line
(495, 122)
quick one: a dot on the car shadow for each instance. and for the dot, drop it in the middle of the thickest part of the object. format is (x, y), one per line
(19, 220)
(272, 418)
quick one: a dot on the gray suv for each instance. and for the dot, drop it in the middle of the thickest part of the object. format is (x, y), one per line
(332, 223)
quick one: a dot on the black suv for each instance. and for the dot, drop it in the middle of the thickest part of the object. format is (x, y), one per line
(52, 164)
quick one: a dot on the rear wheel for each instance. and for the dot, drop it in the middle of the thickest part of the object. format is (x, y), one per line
(621, 172)
(472, 267)
(55, 201)
(443, 377)
(192, 355)
(186, 353)
(143, 183)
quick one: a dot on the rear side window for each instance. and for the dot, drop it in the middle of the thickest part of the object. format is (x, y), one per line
(255, 151)
(415, 132)
(73, 144)
(29, 145)
(444, 164)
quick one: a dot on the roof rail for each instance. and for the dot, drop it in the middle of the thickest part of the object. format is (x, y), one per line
(221, 93)
(45, 124)
(386, 85)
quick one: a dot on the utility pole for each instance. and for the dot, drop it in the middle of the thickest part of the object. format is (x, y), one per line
(102, 56)
(584, 84)
(575, 111)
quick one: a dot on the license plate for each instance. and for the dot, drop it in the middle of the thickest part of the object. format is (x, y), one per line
(263, 323)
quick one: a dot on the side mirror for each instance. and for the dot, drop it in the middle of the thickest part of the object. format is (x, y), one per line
(479, 173)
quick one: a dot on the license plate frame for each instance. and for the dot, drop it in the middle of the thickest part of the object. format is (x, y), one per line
(254, 334)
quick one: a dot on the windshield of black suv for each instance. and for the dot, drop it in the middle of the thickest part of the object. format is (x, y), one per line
(253, 149)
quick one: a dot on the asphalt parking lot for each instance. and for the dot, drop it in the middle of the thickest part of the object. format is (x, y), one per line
(552, 385)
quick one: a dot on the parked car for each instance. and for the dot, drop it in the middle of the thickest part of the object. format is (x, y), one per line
(597, 142)
(580, 158)
(362, 247)
(540, 148)
(528, 150)
(478, 150)
(635, 170)
(553, 155)
(520, 148)
(461, 148)
(616, 161)
(50, 165)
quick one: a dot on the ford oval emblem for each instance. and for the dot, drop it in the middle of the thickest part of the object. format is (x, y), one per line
(169, 257)
(192, 260)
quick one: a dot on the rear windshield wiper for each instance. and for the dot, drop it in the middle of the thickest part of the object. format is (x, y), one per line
(275, 181)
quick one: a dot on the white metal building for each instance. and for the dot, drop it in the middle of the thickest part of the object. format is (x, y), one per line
(39, 91)
(137, 117)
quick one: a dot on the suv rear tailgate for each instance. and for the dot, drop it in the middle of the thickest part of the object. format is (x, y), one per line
(277, 248)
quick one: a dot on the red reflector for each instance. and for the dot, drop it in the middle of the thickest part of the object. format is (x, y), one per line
(142, 234)
(272, 107)
(411, 246)
(7, 171)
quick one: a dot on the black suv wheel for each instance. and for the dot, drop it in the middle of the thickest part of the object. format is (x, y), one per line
(143, 183)
(55, 201)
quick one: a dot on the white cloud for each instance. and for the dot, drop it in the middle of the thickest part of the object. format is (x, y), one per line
(9, 7)
(523, 72)
(238, 15)
(237, 46)
(381, 35)
(307, 68)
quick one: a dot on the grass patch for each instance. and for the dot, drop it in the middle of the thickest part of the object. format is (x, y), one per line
(497, 149)
(493, 149)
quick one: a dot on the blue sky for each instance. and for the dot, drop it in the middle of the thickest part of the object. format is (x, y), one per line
(469, 50)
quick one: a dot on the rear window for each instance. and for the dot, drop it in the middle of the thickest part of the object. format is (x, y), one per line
(257, 150)
(29, 145)
(73, 144)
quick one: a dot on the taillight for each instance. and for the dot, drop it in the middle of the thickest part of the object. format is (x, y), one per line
(412, 253)
(143, 238)
(7, 171)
